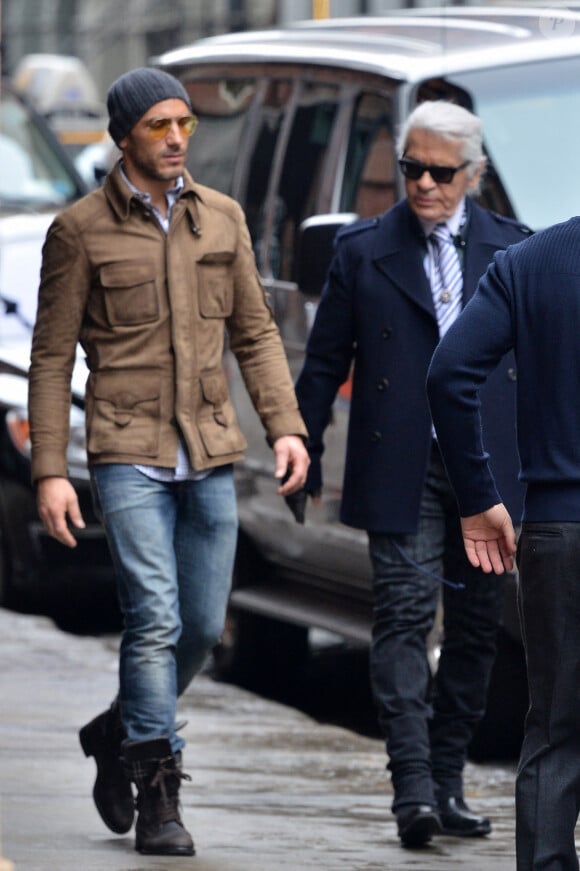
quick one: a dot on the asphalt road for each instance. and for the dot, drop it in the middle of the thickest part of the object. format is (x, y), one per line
(272, 789)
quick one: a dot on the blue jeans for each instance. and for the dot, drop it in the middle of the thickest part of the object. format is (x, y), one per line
(548, 779)
(428, 724)
(173, 546)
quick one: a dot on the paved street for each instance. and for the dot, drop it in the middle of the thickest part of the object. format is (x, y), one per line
(271, 791)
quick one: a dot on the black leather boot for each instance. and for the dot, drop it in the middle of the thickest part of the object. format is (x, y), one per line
(157, 773)
(112, 791)
(458, 819)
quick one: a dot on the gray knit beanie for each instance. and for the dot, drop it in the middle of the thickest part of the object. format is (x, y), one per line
(133, 93)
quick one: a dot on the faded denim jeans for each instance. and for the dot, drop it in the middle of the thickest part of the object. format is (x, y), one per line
(173, 545)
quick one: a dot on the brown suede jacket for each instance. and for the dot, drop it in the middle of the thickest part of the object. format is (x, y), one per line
(151, 312)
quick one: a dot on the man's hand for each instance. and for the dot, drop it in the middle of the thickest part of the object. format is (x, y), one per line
(56, 500)
(490, 540)
(292, 463)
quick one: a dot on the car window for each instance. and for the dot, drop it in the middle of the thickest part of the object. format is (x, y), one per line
(32, 173)
(369, 175)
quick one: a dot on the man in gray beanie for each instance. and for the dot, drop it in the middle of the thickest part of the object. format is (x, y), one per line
(147, 273)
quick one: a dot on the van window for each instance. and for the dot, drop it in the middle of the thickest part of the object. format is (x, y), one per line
(369, 175)
(222, 106)
(287, 167)
(531, 120)
(268, 125)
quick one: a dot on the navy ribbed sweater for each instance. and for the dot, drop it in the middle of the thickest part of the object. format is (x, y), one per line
(528, 300)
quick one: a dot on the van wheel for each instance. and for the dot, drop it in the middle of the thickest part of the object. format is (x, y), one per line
(259, 652)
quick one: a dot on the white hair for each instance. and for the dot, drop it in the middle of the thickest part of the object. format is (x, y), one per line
(451, 122)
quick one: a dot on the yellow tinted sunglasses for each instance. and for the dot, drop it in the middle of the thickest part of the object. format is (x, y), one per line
(158, 128)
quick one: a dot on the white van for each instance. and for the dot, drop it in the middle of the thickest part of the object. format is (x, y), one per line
(298, 124)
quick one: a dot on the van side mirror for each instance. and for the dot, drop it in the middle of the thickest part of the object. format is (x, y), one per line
(315, 249)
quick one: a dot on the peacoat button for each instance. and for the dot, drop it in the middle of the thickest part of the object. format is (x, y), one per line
(376, 436)
(383, 384)
(512, 374)
(387, 332)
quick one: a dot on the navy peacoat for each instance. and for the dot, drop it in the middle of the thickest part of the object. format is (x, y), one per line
(376, 312)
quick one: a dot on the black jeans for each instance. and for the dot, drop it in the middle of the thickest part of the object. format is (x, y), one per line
(548, 780)
(428, 724)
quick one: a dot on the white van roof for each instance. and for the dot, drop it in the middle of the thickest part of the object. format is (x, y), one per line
(407, 45)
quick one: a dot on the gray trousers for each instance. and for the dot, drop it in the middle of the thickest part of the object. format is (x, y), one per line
(548, 779)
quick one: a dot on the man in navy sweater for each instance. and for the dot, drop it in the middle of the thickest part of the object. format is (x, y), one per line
(528, 301)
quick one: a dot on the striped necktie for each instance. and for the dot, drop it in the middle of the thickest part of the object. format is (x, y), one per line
(447, 282)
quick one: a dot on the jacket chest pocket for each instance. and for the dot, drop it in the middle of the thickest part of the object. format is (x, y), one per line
(130, 293)
(216, 285)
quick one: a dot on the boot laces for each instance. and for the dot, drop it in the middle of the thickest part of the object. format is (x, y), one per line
(167, 779)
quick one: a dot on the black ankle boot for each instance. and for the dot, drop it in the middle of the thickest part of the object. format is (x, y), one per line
(157, 773)
(112, 791)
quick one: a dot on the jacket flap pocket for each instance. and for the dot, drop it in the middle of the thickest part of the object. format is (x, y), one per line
(130, 293)
(214, 388)
(216, 287)
(123, 412)
(127, 388)
(216, 257)
(128, 274)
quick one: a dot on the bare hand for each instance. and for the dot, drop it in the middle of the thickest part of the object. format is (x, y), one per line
(56, 500)
(490, 540)
(292, 463)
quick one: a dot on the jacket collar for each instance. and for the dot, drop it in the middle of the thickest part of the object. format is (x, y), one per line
(122, 199)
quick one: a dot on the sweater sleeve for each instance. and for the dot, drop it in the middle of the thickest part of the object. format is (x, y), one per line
(462, 362)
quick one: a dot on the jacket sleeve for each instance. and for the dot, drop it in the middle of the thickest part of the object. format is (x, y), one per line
(329, 354)
(462, 362)
(64, 282)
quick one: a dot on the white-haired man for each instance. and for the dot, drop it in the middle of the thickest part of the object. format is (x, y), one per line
(394, 286)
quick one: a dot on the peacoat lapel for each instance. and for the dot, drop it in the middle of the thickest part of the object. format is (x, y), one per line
(398, 255)
(399, 250)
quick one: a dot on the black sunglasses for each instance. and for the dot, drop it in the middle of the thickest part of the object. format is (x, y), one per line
(413, 169)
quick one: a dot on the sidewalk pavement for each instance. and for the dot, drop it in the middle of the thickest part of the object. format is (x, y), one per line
(272, 790)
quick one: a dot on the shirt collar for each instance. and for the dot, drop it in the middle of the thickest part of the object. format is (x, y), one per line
(172, 194)
(453, 224)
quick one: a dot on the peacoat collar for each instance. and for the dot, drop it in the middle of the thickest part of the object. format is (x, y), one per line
(399, 248)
